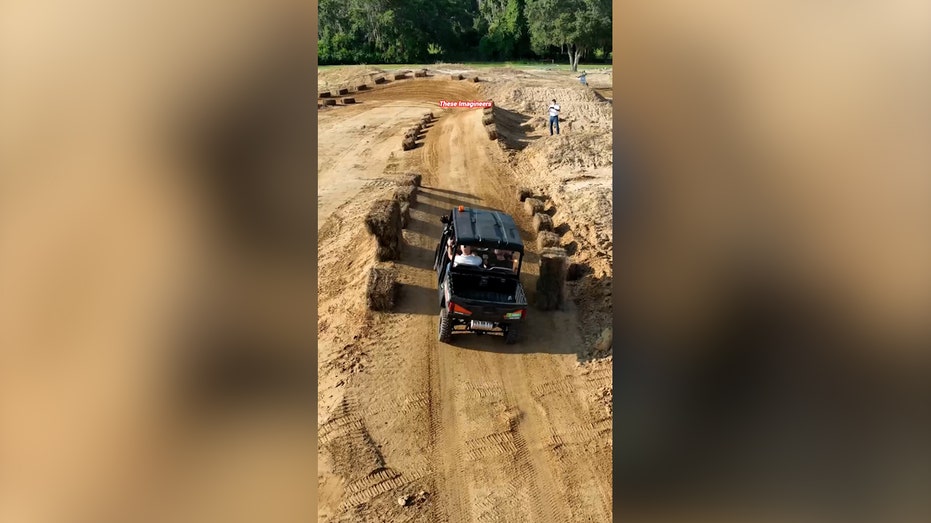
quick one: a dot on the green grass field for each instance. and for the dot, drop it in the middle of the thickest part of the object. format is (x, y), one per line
(481, 65)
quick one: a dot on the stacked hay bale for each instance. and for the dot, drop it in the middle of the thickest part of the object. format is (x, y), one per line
(420, 74)
(547, 239)
(382, 288)
(532, 206)
(329, 101)
(474, 79)
(341, 91)
(411, 179)
(380, 80)
(400, 76)
(406, 194)
(349, 100)
(551, 285)
(455, 77)
(361, 87)
(542, 222)
(323, 94)
(523, 193)
(488, 120)
(405, 215)
(384, 222)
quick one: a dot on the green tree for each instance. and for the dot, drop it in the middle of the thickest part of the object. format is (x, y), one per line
(574, 26)
(505, 28)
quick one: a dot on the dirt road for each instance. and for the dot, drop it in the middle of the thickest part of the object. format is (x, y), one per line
(473, 431)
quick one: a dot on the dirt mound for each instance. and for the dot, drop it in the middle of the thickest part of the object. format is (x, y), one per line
(346, 76)
(579, 105)
(575, 151)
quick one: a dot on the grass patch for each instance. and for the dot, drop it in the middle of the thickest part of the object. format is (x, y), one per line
(475, 65)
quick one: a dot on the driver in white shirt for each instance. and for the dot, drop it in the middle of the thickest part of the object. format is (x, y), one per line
(467, 257)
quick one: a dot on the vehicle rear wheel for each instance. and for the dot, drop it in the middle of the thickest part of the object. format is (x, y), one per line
(445, 331)
(512, 335)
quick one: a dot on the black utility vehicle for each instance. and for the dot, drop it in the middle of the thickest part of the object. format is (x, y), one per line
(479, 285)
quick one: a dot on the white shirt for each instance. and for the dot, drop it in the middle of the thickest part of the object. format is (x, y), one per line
(468, 259)
(554, 110)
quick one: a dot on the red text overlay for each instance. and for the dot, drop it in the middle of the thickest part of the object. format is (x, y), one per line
(468, 104)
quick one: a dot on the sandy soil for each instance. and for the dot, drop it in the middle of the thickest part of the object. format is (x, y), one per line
(477, 430)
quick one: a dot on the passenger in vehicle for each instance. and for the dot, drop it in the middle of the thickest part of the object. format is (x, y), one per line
(503, 258)
(467, 257)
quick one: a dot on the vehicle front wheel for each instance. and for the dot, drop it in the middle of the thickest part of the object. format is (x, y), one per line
(512, 335)
(445, 331)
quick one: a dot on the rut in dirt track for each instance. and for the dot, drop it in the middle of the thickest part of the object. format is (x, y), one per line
(502, 415)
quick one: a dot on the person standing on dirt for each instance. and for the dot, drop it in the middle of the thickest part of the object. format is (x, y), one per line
(554, 117)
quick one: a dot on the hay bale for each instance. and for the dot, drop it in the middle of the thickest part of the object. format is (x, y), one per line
(474, 79)
(411, 179)
(412, 133)
(428, 116)
(551, 285)
(405, 214)
(488, 110)
(400, 76)
(547, 239)
(492, 131)
(361, 87)
(382, 290)
(542, 222)
(329, 101)
(408, 143)
(488, 119)
(420, 74)
(523, 193)
(406, 193)
(533, 206)
(341, 91)
(381, 217)
(380, 80)
(323, 94)
(455, 77)
(384, 222)
(349, 100)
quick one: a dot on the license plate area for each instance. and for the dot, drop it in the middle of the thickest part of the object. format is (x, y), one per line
(482, 325)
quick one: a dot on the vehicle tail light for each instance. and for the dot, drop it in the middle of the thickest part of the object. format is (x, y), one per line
(462, 208)
(456, 308)
(516, 315)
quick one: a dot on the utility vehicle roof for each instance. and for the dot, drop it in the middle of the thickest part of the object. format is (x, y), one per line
(484, 228)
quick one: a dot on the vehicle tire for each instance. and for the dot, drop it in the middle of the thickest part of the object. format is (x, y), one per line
(445, 331)
(512, 335)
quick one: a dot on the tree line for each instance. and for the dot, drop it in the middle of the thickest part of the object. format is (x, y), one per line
(426, 31)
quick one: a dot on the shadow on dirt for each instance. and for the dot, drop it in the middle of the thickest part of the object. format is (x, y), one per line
(535, 338)
(513, 128)
(447, 203)
(414, 299)
(447, 191)
(416, 257)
